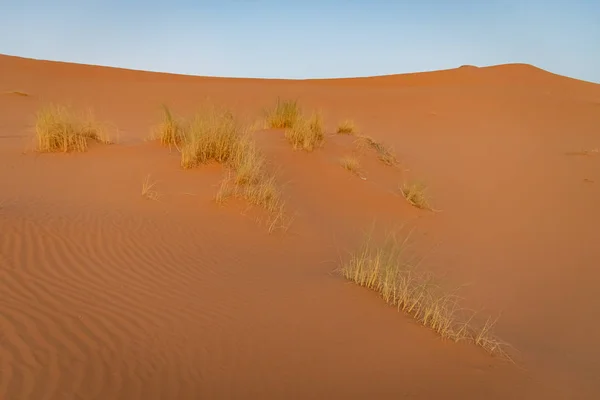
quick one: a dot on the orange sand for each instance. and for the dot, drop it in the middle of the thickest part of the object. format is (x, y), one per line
(107, 295)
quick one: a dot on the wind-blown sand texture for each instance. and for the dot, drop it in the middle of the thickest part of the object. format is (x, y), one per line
(107, 294)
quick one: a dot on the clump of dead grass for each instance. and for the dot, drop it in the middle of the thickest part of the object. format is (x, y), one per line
(148, 191)
(346, 127)
(263, 192)
(388, 270)
(384, 153)
(170, 131)
(415, 194)
(284, 115)
(350, 163)
(59, 129)
(211, 135)
(306, 133)
(214, 135)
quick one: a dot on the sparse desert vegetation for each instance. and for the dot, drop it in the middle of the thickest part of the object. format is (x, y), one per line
(416, 194)
(263, 192)
(350, 163)
(389, 270)
(211, 135)
(214, 135)
(384, 153)
(346, 127)
(303, 132)
(306, 133)
(148, 191)
(169, 132)
(284, 115)
(60, 129)
(166, 263)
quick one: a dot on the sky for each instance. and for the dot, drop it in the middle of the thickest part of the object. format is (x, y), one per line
(306, 39)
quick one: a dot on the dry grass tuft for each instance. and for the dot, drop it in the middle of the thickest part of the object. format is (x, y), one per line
(214, 135)
(351, 164)
(415, 194)
(284, 115)
(170, 131)
(306, 134)
(263, 192)
(211, 135)
(148, 190)
(346, 127)
(226, 190)
(58, 129)
(389, 271)
(248, 162)
(384, 153)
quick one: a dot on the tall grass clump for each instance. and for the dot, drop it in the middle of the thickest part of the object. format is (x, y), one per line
(214, 135)
(307, 133)
(170, 131)
(211, 135)
(284, 115)
(59, 129)
(389, 270)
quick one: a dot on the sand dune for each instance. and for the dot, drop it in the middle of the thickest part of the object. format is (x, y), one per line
(107, 295)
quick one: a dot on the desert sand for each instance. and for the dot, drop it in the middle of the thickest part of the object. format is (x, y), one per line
(105, 294)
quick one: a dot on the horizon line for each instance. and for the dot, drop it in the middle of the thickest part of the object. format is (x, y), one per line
(150, 71)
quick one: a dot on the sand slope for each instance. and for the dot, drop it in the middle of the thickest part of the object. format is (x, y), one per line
(106, 295)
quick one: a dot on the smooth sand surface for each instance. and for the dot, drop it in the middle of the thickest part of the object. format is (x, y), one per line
(107, 295)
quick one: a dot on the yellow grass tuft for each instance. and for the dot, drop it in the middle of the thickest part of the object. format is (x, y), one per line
(284, 115)
(148, 190)
(346, 127)
(248, 162)
(384, 153)
(59, 129)
(351, 164)
(169, 132)
(415, 194)
(306, 134)
(214, 135)
(264, 193)
(388, 270)
(226, 190)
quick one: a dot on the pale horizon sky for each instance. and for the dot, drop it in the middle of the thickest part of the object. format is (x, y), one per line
(307, 39)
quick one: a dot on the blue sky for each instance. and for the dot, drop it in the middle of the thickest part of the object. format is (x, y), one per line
(306, 39)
